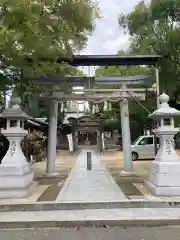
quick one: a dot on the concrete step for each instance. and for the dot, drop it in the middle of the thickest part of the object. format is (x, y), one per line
(91, 217)
(53, 206)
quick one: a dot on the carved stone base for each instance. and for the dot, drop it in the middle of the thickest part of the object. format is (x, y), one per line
(162, 191)
(16, 181)
(164, 178)
(166, 167)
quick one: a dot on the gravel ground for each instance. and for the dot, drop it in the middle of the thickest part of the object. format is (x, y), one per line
(115, 233)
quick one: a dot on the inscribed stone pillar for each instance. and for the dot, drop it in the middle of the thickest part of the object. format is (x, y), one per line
(126, 138)
(52, 140)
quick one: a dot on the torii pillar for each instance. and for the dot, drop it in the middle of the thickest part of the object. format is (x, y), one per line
(52, 140)
(128, 169)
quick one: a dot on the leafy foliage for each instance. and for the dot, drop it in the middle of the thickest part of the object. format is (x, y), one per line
(34, 34)
(154, 28)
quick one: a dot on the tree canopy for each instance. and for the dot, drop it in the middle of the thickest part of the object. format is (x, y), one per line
(35, 33)
(32, 31)
(154, 28)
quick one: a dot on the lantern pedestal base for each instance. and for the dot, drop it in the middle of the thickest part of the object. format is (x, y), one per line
(162, 191)
(164, 178)
(16, 181)
(166, 167)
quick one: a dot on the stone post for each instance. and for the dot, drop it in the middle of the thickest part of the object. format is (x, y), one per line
(76, 139)
(102, 142)
(164, 174)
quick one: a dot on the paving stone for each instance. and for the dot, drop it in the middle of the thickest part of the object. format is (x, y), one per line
(94, 233)
(83, 185)
(132, 214)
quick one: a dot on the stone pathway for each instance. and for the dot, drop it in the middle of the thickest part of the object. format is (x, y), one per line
(91, 217)
(95, 185)
(93, 233)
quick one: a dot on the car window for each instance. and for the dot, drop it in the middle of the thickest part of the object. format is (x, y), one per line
(135, 141)
(146, 141)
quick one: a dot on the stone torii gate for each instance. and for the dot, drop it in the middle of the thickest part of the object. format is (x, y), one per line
(93, 94)
(89, 86)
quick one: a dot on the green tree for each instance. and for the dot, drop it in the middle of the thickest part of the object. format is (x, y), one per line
(31, 31)
(154, 28)
(34, 34)
(4, 87)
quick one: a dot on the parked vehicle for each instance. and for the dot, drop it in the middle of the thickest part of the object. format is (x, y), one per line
(144, 147)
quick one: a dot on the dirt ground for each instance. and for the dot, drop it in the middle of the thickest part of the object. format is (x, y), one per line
(114, 162)
(64, 163)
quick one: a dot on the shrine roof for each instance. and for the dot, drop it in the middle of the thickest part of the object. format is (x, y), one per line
(72, 115)
(80, 116)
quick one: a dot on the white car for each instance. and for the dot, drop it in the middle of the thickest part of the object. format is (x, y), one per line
(144, 147)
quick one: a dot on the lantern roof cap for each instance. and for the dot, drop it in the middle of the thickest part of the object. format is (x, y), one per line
(14, 112)
(164, 108)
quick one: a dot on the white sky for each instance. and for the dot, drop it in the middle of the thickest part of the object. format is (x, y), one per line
(108, 38)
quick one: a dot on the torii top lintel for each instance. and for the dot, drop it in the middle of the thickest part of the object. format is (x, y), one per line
(111, 60)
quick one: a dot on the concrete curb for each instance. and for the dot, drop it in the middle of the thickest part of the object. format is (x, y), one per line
(65, 185)
(47, 206)
(90, 223)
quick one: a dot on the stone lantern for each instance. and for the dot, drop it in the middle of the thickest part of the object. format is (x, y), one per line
(164, 175)
(16, 177)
